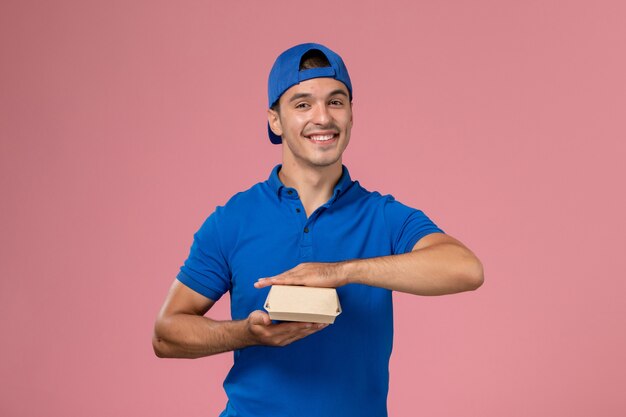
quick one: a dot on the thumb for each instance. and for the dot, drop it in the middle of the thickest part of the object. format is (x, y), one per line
(260, 318)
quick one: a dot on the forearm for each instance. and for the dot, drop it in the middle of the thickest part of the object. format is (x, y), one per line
(191, 336)
(435, 270)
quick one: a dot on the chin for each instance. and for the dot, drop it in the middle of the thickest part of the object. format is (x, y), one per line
(322, 163)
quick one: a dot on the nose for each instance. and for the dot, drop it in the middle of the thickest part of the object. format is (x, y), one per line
(321, 116)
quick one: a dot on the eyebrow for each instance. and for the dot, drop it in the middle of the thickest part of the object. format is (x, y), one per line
(304, 95)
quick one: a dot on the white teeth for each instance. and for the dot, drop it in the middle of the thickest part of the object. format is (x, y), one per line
(322, 137)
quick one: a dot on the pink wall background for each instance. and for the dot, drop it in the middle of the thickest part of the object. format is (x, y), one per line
(123, 124)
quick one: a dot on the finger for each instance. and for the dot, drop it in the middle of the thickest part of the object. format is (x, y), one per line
(280, 333)
(262, 282)
(296, 328)
(304, 333)
(266, 282)
(259, 317)
(290, 327)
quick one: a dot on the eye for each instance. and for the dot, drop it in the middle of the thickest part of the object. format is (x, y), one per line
(302, 105)
(336, 102)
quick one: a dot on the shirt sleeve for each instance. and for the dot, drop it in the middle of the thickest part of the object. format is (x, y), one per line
(206, 270)
(406, 224)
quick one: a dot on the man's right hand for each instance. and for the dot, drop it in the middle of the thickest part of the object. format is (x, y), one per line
(263, 332)
(182, 331)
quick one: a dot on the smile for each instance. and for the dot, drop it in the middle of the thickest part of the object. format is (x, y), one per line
(322, 138)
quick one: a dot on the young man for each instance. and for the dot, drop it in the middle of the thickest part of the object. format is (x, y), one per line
(308, 224)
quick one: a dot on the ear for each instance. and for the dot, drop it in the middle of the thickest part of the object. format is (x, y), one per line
(351, 115)
(273, 119)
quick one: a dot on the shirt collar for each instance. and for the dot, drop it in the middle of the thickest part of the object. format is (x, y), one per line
(345, 181)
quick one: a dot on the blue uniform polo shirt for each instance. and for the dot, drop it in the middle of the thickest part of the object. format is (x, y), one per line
(342, 370)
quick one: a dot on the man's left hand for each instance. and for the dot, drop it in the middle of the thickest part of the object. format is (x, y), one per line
(310, 274)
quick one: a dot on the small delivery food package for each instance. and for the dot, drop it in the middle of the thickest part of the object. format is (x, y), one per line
(307, 304)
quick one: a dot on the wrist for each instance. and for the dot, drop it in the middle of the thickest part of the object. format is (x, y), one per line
(243, 334)
(349, 271)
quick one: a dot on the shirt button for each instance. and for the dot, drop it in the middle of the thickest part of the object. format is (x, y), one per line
(290, 192)
(306, 230)
(297, 210)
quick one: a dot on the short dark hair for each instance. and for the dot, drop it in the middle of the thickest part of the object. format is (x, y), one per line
(312, 59)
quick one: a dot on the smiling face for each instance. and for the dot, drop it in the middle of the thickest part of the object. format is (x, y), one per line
(314, 120)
